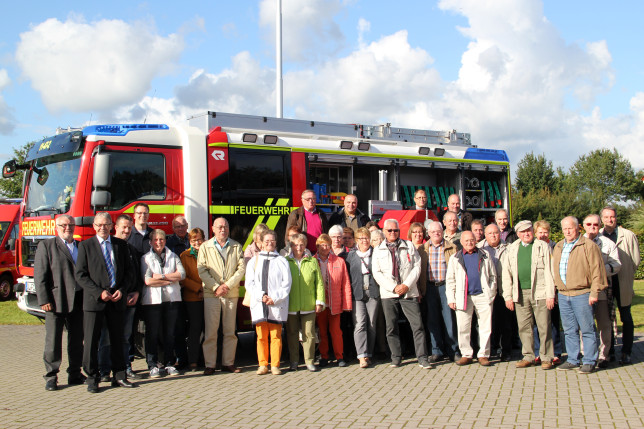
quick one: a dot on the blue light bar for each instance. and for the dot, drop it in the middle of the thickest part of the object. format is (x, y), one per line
(486, 154)
(120, 129)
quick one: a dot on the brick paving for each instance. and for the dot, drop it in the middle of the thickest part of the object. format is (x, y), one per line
(448, 396)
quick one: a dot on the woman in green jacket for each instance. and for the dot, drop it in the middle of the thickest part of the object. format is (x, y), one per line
(305, 300)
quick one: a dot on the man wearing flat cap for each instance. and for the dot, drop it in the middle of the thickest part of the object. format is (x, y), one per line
(529, 290)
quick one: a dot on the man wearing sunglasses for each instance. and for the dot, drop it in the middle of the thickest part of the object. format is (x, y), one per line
(604, 306)
(396, 268)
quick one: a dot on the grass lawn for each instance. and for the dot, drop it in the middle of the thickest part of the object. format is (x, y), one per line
(637, 308)
(10, 314)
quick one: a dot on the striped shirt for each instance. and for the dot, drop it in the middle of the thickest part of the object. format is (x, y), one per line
(565, 254)
(436, 266)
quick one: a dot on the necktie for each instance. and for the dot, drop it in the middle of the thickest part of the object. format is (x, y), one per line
(108, 262)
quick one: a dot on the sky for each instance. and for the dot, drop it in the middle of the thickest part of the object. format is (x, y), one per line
(559, 78)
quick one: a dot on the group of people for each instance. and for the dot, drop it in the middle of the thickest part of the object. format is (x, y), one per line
(460, 284)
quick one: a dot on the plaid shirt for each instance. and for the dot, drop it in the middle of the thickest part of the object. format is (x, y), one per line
(436, 266)
(565, 254)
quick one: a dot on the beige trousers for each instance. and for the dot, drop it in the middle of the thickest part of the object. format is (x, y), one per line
(215, 310)
(483, 308)
(528, 310)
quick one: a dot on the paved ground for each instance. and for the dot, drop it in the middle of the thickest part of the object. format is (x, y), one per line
(380, 397)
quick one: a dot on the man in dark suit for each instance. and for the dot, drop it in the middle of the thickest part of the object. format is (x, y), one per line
(61, 298)
(104, 271)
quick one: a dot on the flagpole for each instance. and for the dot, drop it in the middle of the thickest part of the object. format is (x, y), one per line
(278, 60)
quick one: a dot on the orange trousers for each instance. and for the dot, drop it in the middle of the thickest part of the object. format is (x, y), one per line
(330, 322)
(264, 330)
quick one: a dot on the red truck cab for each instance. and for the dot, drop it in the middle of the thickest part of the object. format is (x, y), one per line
(8, 239)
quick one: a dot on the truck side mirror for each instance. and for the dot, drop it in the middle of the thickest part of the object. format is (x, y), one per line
(102, 173)
(9, 169)
(101, 198)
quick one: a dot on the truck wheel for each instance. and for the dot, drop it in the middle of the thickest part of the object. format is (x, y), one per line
(6, 287)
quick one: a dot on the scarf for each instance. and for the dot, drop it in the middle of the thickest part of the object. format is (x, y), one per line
(395, 259)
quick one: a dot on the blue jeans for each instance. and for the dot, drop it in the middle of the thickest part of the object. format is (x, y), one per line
(440, 322)
(104, 361)
(577, 315)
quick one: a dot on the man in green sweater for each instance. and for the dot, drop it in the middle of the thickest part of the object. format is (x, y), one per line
(529, 289)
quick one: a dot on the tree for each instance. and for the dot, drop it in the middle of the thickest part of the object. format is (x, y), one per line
(535, 172)
(604, 177)
(12, 188)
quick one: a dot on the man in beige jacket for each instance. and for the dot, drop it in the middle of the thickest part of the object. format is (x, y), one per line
(529, 290)
(629, 256)
(221, 267)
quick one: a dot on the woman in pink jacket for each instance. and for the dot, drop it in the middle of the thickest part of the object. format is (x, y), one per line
(337, 291)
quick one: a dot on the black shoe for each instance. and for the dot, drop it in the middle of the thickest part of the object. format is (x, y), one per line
(122, 383)
(341, 363)
(105, 378)
(92, 388)
(51, 385)
(435, 358)
(323, 363)
(77, 379)
(625, 359)
(603, 364)
(506, 358)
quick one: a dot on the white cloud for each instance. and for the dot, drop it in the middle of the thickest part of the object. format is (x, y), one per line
(309, 33)
(7, 120)
(246, 87)
(375, 82)
(94, 66)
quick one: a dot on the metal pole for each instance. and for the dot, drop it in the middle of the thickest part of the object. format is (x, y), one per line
(278, 60)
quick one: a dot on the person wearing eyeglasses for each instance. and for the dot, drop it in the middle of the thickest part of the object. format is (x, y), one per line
(396, 268)
(221, 267)
(105, 272)
(180, 240)
(140, 237)
(366, 297)
(311, 221)
(604, 309)
(61, 298)
(440, 318)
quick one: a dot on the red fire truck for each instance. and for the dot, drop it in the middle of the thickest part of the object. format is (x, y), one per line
(9, 211)
(249, 169)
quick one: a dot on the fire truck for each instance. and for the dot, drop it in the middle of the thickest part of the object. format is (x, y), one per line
(249, 169)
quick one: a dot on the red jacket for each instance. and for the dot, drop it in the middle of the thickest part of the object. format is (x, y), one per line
(338, 298)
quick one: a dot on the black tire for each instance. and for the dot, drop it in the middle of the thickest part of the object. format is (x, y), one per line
(6, 287)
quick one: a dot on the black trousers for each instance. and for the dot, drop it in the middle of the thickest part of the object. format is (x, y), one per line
(411, 309)
(113, 315)
(53, 354)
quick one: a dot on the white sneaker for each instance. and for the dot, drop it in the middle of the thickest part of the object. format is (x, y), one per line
(171, 371)
(154, 373)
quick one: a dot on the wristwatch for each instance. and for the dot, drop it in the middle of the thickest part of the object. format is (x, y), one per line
(162, 276)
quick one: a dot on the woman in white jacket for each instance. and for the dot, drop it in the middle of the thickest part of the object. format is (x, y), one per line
(268, 280)
(162, 271)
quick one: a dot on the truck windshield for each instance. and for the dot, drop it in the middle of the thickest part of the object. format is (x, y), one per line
(52, 184)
